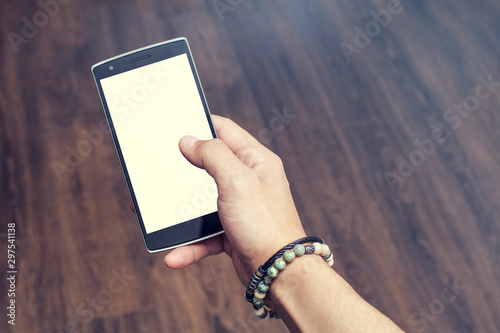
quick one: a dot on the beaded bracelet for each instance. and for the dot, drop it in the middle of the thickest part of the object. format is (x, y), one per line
(263, 279)
(262, 270)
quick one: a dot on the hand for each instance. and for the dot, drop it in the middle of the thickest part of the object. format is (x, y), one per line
(255, 205)
(259, 217)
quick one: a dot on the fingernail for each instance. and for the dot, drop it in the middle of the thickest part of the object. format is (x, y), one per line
(188, 141)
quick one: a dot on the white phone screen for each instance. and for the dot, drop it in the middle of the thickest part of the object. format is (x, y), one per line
(151, 108)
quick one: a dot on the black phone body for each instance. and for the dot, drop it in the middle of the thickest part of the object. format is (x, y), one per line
(152, 97)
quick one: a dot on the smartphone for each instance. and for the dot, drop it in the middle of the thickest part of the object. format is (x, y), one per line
(152, 97)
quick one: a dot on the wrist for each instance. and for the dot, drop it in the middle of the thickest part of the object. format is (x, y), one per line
(271, 248)
(260, 282)
(309, 296)
(290, 292)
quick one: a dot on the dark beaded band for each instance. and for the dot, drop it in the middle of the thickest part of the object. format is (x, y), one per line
(309, 249)
(261, 281)
(262, 270)
(252, 285)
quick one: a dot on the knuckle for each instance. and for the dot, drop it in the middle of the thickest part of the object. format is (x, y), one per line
(246, 152)
(276, 163)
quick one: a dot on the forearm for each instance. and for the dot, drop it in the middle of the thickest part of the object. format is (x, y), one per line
(310, 297)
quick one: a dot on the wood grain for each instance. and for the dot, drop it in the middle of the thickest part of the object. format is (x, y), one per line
(401, 244)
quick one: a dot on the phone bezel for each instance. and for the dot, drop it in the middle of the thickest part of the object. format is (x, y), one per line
(183, 233)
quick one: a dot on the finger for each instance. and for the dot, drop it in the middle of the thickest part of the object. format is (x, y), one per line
(186, 255)
(232, 134)
(235, 137)
(250, 151)
(214, 156)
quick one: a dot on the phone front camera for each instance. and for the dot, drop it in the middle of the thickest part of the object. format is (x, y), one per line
(111, 68)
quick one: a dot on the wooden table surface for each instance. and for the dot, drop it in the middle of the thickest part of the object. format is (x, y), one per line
(388, 129)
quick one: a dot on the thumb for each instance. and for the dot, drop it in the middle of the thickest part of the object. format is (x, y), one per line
(214, 156)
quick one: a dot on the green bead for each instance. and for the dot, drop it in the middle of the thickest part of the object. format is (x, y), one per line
(272, 272)
(280, 264)
(299, 250)
(257, 302)
(289, 255)
(263, 287)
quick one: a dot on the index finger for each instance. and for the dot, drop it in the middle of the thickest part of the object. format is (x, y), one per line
(248, 150)
(235, 137)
